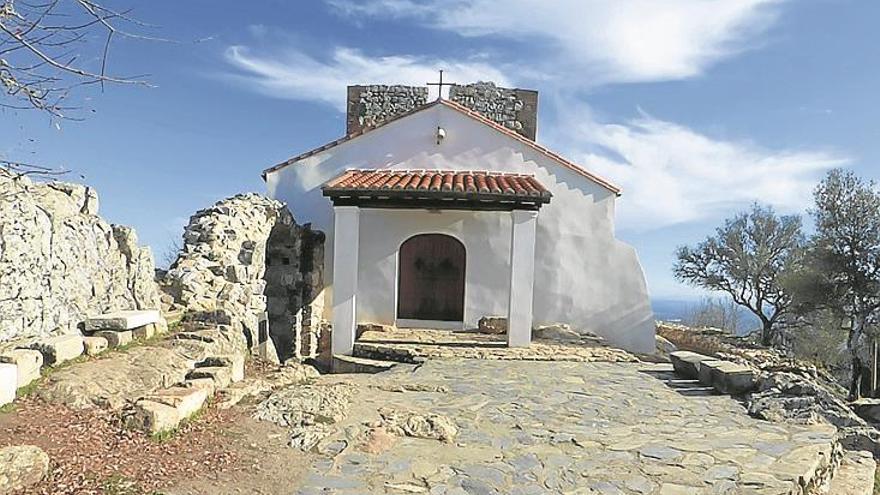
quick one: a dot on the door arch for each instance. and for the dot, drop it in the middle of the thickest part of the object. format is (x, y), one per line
(431, 278)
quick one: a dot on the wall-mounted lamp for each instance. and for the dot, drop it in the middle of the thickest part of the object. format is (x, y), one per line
(441, 134)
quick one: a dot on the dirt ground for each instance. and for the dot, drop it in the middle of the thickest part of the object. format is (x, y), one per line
(91, 453)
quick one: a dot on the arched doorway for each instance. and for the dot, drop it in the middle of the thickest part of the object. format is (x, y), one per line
(430, 283)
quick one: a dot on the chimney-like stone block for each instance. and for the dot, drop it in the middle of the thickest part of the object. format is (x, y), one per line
(515, 109)
(370, 106)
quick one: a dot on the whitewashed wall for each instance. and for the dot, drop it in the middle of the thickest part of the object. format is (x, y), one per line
(583, 275)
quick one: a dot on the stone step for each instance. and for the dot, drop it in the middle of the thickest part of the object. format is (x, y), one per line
(855, 476)
(381, 352)
(122, 320)
(728, 377)
(687, 363)
(352, 364)
(58, 349)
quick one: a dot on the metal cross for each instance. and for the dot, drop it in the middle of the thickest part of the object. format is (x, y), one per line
(440, 85)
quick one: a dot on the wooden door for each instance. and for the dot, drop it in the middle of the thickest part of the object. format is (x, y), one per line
(431, 278)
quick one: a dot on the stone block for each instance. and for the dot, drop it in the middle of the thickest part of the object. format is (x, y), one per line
(221, 375)
(59, 349)
(28, 362)
(704, 371)
(152, 417)
(234, 363)
(22, 466)
(95, 345)
(122, 320)
(145, 332)
(161, 326)
(687, 363)
(202, 383)
(8, 382)
(186, 400)
(116, 338)
(730, 378)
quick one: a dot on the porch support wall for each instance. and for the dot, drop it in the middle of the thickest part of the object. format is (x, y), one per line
(522, 277)
(346, 233)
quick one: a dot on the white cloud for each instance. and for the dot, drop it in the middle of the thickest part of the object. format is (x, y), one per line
(672, 174)
(292, 74)
(603, 41)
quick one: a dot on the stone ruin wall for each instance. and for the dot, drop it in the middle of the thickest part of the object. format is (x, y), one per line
(369, 106)
(60, 262)
(232, 270)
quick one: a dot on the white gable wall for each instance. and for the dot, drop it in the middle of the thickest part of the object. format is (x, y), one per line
(583, 275)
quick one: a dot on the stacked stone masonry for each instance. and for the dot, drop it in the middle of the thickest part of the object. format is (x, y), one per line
(246, 255)
(515, 109)
(369, 106)
(60, 262)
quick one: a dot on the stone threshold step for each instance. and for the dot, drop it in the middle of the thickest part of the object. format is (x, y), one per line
(352, 364)
(122, 320)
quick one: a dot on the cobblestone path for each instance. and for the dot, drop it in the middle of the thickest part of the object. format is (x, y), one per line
(560, 427)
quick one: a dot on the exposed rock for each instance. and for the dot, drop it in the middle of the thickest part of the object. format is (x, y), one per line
(22, 466)
(664, 346)
(418, 425)
(61, 263)
(127, 376)
(308, 411)
(493, 325)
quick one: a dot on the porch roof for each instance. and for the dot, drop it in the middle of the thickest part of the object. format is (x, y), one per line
(444, 189)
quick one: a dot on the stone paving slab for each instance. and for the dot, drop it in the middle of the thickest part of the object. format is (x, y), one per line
(560, 427)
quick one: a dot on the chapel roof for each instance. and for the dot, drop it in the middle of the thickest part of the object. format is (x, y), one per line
(437, 188)
(472, 114)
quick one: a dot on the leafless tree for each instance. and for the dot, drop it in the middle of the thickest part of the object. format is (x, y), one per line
(50, 47)
(747, 258)
(721, 312)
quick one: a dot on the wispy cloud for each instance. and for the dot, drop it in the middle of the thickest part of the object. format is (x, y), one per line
(672, 174)
(295, 75)
(604, 41)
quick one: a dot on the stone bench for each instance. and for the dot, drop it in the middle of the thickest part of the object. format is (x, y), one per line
(687, 363)
(121, 328)
(122, 320)
(730, 378)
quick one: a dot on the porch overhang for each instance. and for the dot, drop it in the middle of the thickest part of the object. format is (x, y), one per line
(437, 189)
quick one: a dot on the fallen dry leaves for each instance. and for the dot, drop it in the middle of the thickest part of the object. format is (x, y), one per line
(91, 453)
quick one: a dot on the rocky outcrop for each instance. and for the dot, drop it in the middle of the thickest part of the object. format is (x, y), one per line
(221, 274)
(60, 262)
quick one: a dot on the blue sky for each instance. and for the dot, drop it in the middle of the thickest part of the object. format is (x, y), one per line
(696, 107)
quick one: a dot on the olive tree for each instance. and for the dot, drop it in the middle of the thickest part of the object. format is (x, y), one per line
(746, 258)
(841, 274)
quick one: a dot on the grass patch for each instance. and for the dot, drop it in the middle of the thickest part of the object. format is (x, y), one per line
(120, 485)
(30, 387)
(7, 408)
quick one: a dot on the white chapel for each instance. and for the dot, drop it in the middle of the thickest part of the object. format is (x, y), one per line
(438, 213)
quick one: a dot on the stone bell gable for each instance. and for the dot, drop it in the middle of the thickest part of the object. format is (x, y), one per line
(369, 106)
